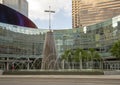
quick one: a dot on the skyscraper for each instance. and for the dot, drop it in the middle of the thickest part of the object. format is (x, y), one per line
(84, 14)
(18, 5)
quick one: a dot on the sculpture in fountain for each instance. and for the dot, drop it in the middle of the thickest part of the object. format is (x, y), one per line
(49, 52)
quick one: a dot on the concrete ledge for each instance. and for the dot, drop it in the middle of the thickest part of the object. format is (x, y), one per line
(117, 72)
(110, 77)
(53, 73)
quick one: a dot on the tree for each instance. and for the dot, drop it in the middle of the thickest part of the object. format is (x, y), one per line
(115, 50)
(78, 56)
(93, 55)
(74, 55)
(68, 56)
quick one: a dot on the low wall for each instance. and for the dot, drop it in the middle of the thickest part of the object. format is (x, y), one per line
(112, 72)
(53, 73)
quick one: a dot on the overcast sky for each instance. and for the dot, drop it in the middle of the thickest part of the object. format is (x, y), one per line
(60, 20)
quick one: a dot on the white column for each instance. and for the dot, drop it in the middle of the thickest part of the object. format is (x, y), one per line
(7, 64)
(63, 62)
(28, 65)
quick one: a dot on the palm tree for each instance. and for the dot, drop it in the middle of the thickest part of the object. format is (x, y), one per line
(73, 55)
(68, 56)
(93, 55)
(115, 50)
(80, 56)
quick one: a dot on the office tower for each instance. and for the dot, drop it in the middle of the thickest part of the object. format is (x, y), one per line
(85, 14)
(18, 5)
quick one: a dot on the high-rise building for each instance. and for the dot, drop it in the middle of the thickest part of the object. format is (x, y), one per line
(10, 16)
(84, 14)
(18, 5)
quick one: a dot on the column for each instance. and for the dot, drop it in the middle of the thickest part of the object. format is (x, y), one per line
(7, 64)
(28, 65)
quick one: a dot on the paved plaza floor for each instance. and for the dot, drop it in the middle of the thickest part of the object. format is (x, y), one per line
(60, 80)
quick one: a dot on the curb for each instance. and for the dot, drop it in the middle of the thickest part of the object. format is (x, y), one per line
(63, 76)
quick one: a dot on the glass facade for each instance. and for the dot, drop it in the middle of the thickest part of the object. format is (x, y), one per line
(100, 36)
(22, 42)
(105, 34)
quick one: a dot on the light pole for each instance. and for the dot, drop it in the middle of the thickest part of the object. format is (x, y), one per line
(50, 11)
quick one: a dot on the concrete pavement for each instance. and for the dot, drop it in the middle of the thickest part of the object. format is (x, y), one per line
(60, 80)
(64, 76)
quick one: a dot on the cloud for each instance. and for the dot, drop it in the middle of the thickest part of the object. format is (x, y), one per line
(37, 7)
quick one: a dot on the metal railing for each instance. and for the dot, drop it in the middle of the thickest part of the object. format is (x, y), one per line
(36, 65)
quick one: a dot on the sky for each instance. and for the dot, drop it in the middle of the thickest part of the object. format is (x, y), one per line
(61, 19)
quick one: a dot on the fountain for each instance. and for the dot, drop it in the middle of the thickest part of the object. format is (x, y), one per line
(49, 52)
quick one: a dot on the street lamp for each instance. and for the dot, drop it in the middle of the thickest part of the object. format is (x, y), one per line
(50, 11)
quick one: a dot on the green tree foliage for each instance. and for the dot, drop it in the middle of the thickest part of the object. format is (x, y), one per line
(75, 55)
(67, 55)
(115, 50)
(93, 54)
(81, 56)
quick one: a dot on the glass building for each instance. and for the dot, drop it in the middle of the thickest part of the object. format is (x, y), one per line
(18, 44)
(22, 44)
